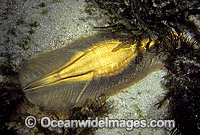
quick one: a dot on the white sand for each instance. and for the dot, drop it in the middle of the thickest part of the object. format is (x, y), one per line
(64, 22)
(137, 102)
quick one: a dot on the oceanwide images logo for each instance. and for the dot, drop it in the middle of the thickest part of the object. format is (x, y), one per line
(129, 124)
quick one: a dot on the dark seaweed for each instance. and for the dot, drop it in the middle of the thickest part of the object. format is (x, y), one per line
(151, 17)
(183, 84)
(10, 98)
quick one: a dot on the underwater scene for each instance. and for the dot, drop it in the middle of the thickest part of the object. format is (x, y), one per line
(93, 67)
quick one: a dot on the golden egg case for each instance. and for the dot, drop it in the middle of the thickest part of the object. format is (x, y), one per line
(82, 71)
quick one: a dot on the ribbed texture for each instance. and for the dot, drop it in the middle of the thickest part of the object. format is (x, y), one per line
(66, 94)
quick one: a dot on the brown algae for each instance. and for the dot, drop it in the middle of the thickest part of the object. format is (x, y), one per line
(86, 69)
